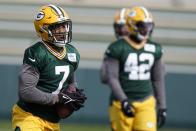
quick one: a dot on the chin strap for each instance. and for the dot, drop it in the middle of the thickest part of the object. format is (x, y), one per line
(135, 38)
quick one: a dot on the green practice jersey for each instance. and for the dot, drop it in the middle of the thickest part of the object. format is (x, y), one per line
(54, 75)
(135, 67)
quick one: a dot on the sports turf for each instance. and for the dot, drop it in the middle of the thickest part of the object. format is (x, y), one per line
(6, 126)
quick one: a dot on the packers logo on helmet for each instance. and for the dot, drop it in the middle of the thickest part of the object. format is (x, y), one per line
(140, 23)
(49, 18)
(40, 16)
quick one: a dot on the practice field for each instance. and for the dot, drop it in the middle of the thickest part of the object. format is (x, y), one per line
(6, 126)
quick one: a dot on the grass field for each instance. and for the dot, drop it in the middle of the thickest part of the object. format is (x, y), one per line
(6, 126)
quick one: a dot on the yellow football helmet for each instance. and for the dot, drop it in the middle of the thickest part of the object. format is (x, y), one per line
(140, 23)
(47, 19)
(120, 22)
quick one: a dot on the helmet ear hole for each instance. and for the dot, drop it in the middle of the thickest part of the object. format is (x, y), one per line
(40, 31)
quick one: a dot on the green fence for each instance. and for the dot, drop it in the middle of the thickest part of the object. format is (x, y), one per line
(180, 97)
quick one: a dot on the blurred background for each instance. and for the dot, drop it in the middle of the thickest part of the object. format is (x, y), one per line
(175, 29)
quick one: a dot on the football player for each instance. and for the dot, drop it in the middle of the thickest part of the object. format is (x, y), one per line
(120, 30)
(48, 67)
(119, 25)
(135, 73)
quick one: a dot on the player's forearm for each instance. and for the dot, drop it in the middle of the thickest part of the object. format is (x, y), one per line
(159, 89)
(116, 89)
(158, 81)
(112, 70)
(103, 74)
(72, 80)
(28, 92)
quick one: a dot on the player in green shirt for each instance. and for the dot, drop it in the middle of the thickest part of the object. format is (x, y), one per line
(48, 67)
(134, 70)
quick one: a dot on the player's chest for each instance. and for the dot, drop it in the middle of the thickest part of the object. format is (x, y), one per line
(56, 69)
(137, 64)
(136, 57)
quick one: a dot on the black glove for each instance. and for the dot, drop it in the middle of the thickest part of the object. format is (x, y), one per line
(64, 98)
(161, 117)
(126, 108)
(76, 105)
(81, 98)
(75, 99)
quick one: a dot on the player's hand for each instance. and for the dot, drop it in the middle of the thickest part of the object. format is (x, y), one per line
(161, 117)
(75, 98)
(64, 98)
(80, 99)
(127, 108)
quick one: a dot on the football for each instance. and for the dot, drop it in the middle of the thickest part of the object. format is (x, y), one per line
(64, 111)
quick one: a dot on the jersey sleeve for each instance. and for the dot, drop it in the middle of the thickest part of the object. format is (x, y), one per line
(114, 50)
(32, 58)
(159, 51)
(73, 55)
(77, 59)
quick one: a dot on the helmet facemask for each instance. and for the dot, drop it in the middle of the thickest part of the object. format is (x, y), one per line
(142, 30)
(60, 34)
(140, 24)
